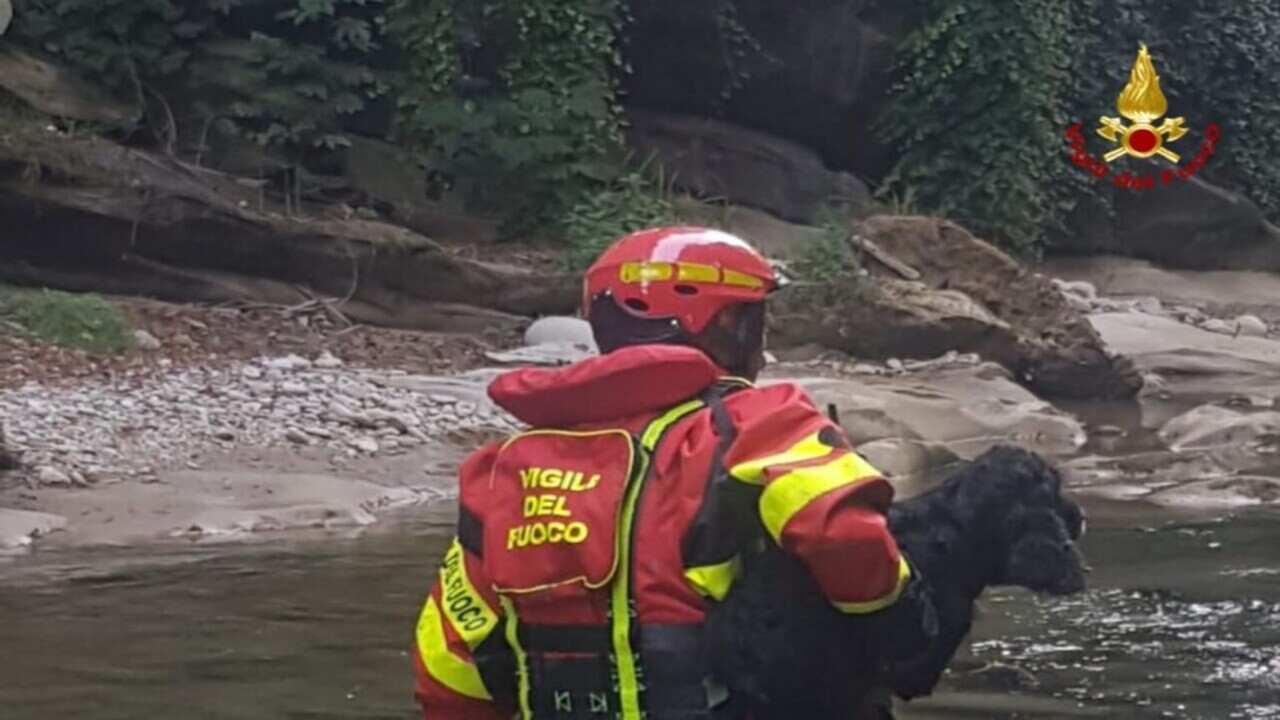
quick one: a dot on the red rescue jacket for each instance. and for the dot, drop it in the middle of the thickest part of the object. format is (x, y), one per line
(590, 548)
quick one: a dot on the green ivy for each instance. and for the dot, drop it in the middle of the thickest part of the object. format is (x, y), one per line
(282, 72)
(976, 115)
(985, 91)
(514, 101)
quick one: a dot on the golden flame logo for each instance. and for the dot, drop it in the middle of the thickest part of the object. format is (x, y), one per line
(1142, 102)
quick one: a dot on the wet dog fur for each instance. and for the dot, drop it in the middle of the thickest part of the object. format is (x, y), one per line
(1001, 520)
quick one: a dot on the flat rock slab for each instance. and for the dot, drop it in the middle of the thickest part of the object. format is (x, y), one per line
(1194, 362)
(18, 528)
(201, 504)
(966, 409)
(1220, 292)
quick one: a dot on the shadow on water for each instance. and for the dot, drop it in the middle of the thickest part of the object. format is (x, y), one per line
(1183, 621)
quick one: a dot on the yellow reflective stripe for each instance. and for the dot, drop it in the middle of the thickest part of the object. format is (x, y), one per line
(789, 494)
(657, 271)
(629, 686)
(733, 277)
(752, 471)
(858, 608)
(634, 272)
(452, 671)
(714, 581)
(652, 433)
(522, 660)
(472, 618)
(620, 604)
(697, 272)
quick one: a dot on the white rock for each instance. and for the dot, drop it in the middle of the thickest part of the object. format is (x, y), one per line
(294, 389)
(47, 475)
(327, 361)
(1079, 288)
(252, 372)
(1148, 305)
(1078, 303)
(297, 436)
(364, 444)
(1251, 326)
(288, 363)
(145, 340)
(1219, 326)
(560, 329)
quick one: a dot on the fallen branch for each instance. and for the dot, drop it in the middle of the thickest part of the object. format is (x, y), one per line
(884, 257)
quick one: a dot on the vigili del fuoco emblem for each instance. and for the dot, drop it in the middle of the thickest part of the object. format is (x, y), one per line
(1142, 102)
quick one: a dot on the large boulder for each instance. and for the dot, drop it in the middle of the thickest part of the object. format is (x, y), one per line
(1189, 224)
(823, 87)
(885, 319)
(967, 409)
(711, 158)
(970, 297)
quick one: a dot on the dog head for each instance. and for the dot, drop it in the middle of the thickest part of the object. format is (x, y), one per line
(1040, 525)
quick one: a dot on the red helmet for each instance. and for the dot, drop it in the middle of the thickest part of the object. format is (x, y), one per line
(686, 274)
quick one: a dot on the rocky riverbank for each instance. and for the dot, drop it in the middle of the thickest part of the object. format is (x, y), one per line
(238, 421)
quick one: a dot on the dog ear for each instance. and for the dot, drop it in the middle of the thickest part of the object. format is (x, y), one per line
(1072, 516)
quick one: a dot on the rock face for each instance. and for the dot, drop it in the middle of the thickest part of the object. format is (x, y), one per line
(54, 90)
(138, 223)
(970, 297)
(711, 158)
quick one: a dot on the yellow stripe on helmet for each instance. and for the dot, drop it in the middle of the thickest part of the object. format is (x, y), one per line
(655, 271)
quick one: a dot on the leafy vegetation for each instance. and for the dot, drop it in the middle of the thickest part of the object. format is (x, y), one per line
(515, 99)
(829, 257)
(633, 201)
(514, 104)
(285, 73)
(974, 113)
(79, 321)
(985, 91)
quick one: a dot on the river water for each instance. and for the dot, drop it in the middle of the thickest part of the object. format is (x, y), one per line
(1183, 621)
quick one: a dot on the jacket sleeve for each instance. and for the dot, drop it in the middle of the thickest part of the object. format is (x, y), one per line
(460, 613)
(819, 499)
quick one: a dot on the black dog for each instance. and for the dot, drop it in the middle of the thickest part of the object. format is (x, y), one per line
(1002, 520)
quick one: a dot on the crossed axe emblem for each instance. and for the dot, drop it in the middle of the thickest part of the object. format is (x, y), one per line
(1141, 139)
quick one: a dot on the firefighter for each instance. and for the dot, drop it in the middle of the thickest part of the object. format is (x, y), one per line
(589, 548)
